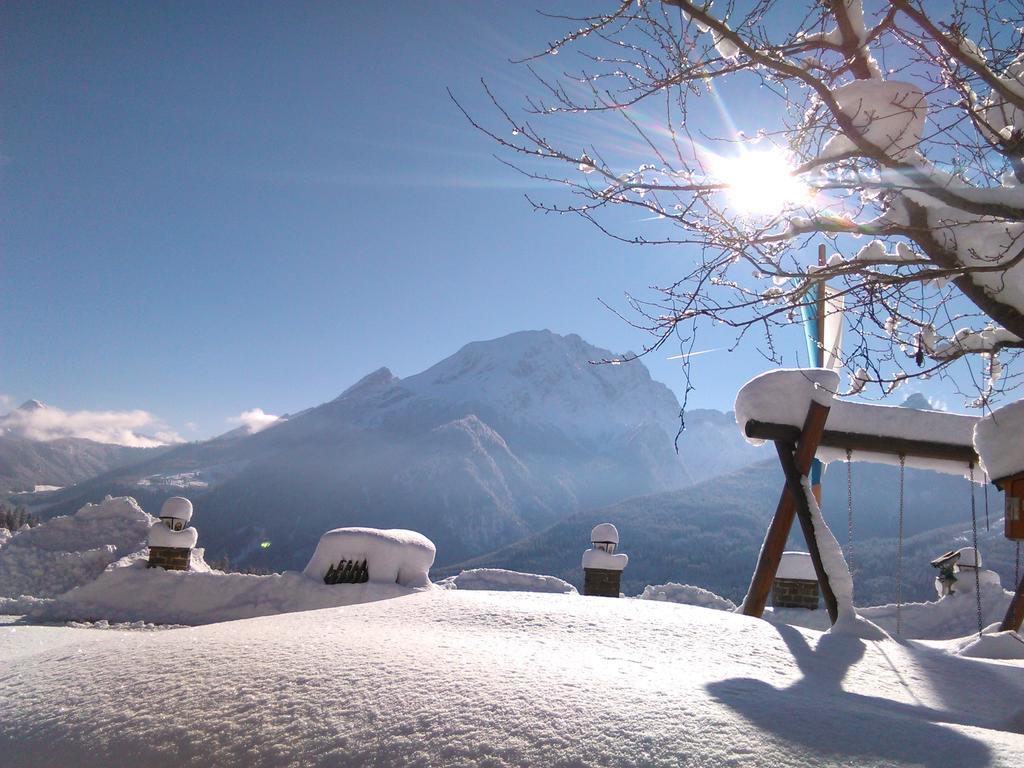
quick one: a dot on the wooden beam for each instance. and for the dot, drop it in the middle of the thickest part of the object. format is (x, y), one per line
(857, 441)
(778, 530)
(803, 513)
(1015, 611)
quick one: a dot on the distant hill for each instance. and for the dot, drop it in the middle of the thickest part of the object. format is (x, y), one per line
(709, 535)
(490, 445)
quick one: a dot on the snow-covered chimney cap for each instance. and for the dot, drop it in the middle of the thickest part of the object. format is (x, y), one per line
(969, 558)
(605, 533)
(177, 507)
(796, 565)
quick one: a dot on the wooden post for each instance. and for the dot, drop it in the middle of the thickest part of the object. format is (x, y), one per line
(1015, 611)
(778, 530)
(803, 511)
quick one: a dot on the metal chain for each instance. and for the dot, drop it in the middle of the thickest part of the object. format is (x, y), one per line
(899, 556)
(986, 503)
(849, 511)
(977, 555)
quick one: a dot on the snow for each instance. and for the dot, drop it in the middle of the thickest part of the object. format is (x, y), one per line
(68, 551)
(783, 396)
(887, 113)
(685, 594)
(796, 565)
(177, 508)
(463, 678)
(128, 591)
(838, 573)
(500, 580)
(162, 536)
(997, 438)
(605, 533)
(392, 556)
(997, 645)
(948, 618)
(598, 558)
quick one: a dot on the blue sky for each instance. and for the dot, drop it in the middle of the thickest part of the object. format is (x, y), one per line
(213, 207)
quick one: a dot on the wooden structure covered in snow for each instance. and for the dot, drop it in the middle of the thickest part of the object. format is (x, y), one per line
(772, 405)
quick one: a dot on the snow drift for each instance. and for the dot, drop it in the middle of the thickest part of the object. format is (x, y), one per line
(463, 678)
(69, 551)
(501, 580)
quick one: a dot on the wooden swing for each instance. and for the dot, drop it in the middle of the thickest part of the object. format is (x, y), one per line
(796, 448)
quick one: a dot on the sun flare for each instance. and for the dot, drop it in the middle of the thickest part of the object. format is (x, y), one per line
(760, 183)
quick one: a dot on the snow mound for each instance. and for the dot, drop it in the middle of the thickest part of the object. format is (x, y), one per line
(598, 558)
(394, 556)
(997, 440)
(68, 551)
(161, 536)
(128, 591)
(684, 594)
(947, 618)
(460, 678)
(998, 645)
(500, 580)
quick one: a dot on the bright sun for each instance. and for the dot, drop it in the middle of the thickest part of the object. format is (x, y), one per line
(760, 183)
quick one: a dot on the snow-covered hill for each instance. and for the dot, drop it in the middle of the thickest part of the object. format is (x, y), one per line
(34, 452)
(463, 678)
(497, 441)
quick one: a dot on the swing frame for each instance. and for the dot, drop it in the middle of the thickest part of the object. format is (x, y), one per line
(796, 448)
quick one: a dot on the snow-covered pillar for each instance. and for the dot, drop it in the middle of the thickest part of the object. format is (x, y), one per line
(602, 567)
(170, 541)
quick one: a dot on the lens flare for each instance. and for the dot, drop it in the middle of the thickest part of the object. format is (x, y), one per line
(760, 183)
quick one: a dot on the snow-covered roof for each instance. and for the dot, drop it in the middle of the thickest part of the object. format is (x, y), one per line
(783, 396)
(392, 556)
(177, 507)
(605, 533)
(796, 565)
(998, 440)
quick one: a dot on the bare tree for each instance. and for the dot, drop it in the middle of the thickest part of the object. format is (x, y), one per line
(897, 138)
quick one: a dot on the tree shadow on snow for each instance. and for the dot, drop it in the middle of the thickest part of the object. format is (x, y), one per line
(817, 713)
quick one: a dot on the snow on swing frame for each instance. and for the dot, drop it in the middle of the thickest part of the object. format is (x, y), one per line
(774, 405)
(778, 405)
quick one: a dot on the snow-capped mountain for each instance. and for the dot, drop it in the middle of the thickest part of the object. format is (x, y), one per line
(27, 462)
(489, 445)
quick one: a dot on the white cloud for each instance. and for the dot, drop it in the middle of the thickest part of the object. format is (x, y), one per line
(115, 427)
(255, 420)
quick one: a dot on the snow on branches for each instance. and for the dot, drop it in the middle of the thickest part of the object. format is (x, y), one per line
(883, 119)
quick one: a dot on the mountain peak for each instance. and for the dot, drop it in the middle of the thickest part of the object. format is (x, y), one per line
(32, 405)
(382, 377)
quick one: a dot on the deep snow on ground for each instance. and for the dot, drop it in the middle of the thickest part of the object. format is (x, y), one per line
(71, 550)
(501, 580)
(453, 677)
